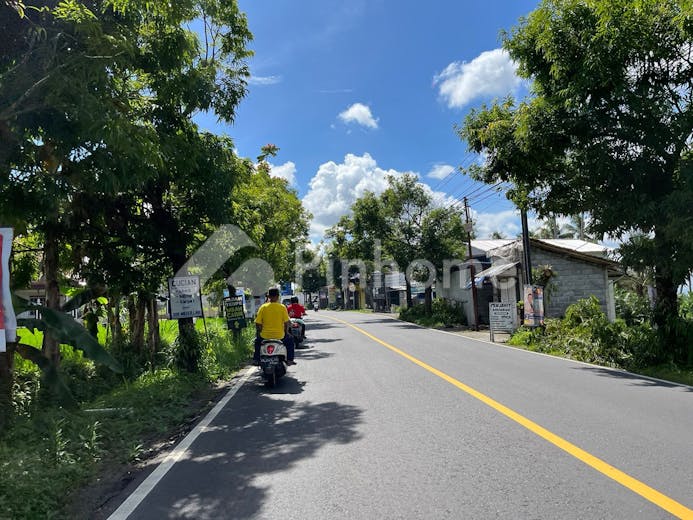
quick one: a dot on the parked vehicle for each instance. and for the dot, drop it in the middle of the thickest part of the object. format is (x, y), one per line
(272, 360)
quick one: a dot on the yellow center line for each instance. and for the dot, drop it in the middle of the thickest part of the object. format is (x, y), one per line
(645, 491)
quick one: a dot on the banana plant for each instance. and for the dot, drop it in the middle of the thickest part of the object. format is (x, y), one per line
(68, 332)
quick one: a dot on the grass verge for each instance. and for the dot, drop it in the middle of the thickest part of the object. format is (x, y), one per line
(50, 454)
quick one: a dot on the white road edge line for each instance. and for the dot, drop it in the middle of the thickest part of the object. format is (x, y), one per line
(126, 508)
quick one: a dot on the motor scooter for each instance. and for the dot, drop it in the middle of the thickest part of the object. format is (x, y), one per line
(296, 330)
(273, 357)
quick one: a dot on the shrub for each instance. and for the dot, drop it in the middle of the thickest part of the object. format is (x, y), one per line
(682, 348)
(416, 314)
(449, 312)
(686, 306)
(585, 334)
(443, 313)
(631, 307)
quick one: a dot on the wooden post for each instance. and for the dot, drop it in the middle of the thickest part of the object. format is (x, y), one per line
(472, 273)
(6, 384)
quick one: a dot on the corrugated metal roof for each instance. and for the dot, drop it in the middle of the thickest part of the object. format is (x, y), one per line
(484, 246)
(581, 246)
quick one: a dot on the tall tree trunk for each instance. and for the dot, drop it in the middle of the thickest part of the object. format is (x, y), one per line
(131, 314)
(153, 332)
(666, 310)
(408, 287)
(113, 313)
(51, 348)
(137, 319)
(189, 348)
(665, 314)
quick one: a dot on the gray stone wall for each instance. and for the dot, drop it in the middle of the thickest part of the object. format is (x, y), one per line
(574, 280)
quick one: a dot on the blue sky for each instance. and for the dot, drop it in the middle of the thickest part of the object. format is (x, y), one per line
(353, 90)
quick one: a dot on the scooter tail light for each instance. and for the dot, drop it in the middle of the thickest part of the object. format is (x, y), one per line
(270, 349)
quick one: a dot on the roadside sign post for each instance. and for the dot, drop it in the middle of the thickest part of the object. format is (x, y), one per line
(235, 315)
(502, 318)
(8, 327)
(184, 297)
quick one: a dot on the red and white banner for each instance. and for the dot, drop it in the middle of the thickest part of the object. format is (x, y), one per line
(8, 320)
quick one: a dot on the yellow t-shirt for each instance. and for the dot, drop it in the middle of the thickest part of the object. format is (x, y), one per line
(272, 316)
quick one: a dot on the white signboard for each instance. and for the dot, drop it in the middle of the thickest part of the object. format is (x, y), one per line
(184, 297)
(8, 321)
(502, 317)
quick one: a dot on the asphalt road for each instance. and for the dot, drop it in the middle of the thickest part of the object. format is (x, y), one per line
(384, 420)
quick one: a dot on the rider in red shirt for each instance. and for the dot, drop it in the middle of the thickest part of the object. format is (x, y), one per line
(296, 310)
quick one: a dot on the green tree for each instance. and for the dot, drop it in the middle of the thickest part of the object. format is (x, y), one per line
(608, 130)
(96, 105)
(442, 238)
(404, 220)
(67, 109)
(270, 212)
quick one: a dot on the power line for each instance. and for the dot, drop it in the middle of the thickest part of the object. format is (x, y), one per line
(479, 194)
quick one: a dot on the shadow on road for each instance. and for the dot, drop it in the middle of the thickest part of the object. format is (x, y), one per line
(223, 475)
(311, 355)
(634, 378)
(321, 326)
(395, 323)
(287, 385)
(322, 340)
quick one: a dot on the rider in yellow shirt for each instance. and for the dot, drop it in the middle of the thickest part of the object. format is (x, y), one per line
(272, 322)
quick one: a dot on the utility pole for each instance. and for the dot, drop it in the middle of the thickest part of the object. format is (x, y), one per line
(526, 259)
(472, 274)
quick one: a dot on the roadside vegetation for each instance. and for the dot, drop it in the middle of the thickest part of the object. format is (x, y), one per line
(631, 342)
(110, 186)
(119, 420)
(443, 314)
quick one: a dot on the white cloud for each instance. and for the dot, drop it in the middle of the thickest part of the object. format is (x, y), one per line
(490, 74)
(285, 171)
(335, 187)
(440, 171)
(505, 222)
(264, 80)
(360, 114)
